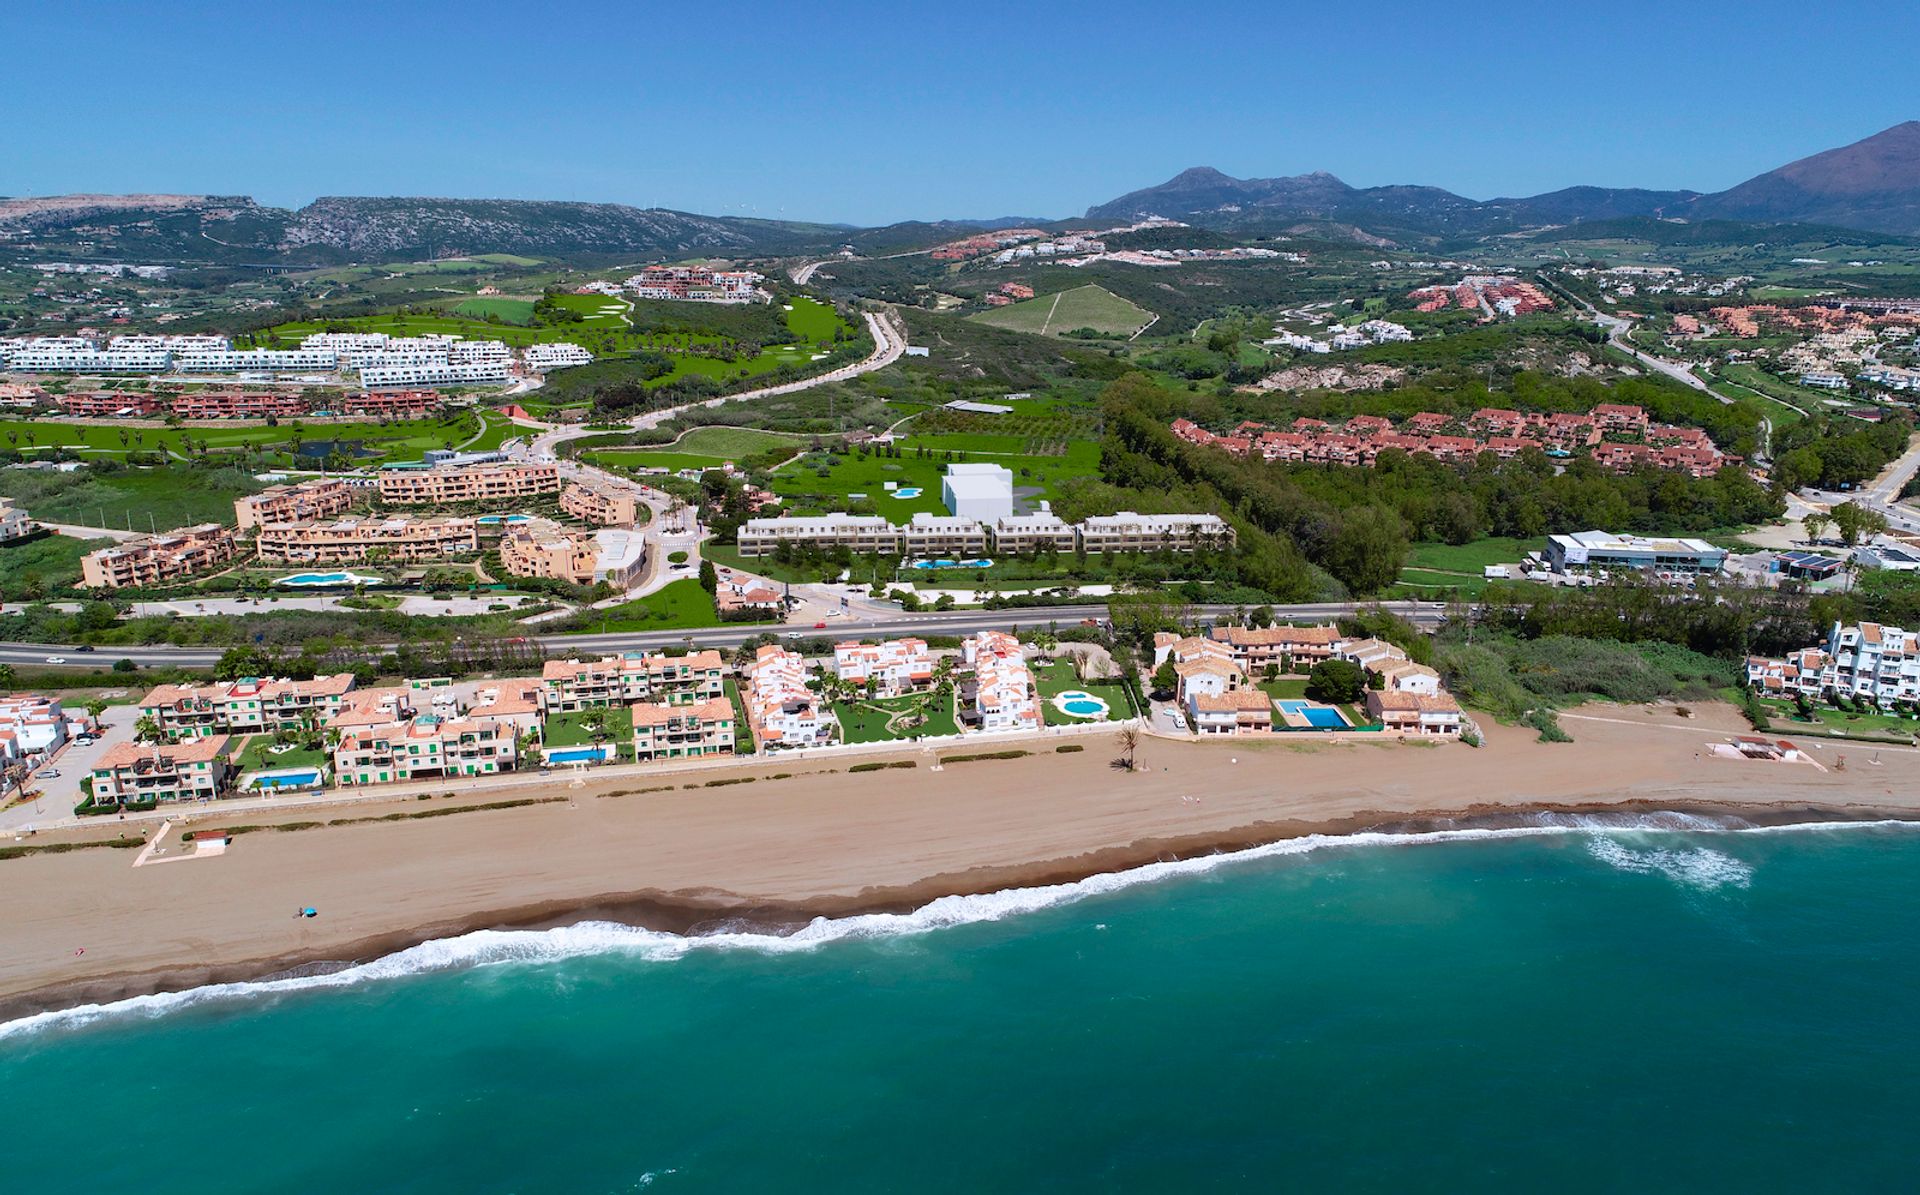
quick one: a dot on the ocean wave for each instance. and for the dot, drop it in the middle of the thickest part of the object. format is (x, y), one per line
(1700, 867)
(1695, 867)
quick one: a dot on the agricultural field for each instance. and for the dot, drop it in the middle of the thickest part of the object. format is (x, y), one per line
(1067, 311)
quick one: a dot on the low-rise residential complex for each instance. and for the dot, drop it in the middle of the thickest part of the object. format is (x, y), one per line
(1616, 436)
(542, 548)
(891, 667)
(316, 499)
(136, 773)
(422, 747)
(604, 503)
(157, 559)
(540, 358)
(1867, 660)
(354, 540)
(412, 485)
(930, 536)
(781, 709)
(703, 728)
(698, 284)
(1004, 695)
(244, 706)
(1288, 648)
(630, 679)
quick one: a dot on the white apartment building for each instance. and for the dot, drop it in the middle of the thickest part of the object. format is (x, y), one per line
(557, 355)
(376, 377)
(256, 361)
(479, 352)
(36, 358)
(894, 666)
(859, 533)
(782, 711)
(1045, 531)
(943, 537)
(1130, 532)
(170, 344)
(1004, 697)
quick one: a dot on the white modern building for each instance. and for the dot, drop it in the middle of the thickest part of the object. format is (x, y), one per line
(301, 360)
(1586, 550)
(975, 491)
(376, 377)
(557, 355)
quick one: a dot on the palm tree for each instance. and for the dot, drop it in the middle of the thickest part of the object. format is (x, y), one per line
(1128, 740)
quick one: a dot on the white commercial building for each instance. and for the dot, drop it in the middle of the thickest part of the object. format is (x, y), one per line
(974, 491)
(1585, 550)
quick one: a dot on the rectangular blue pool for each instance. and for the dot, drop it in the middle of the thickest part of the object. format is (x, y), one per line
(1320, 717)
(580, 754)
(288, 780)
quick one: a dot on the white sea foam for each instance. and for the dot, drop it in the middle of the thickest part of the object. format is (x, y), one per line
(1695, 867)
(1699, 867)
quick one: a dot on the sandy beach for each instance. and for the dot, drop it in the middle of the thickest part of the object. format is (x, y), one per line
(88, 926)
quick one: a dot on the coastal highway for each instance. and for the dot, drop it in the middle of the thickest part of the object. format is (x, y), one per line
(945, 622)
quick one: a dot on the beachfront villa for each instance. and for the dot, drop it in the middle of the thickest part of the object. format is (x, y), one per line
(892, 667)
(629, 679)
(418, 748)
(243, 706)
(1004, 695)
(137, 773)
(683, 731)
(1400, 711)
(781, 709)
(1236, 711)
(1290, 648)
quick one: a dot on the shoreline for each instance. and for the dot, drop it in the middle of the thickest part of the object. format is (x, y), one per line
(692, 917)
(774, 856)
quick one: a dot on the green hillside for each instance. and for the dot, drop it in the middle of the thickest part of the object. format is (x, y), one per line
(1067, 311)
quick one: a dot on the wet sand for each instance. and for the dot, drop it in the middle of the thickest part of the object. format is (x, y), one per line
(87, 926)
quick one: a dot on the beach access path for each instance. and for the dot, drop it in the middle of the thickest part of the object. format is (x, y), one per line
(824, 841)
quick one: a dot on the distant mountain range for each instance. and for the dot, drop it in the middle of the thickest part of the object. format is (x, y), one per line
(1872, 185)
(227, 228)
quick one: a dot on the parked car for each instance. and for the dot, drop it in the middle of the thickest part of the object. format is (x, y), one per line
(50, 774)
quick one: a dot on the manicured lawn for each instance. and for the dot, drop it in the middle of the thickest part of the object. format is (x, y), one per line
(404, 440)
(1082, 307)
(1286, 688)
(1471, 558)
(710, 445)
(811, 320)
(1837, 721)
(743, 743)
(577, 729)
(256, 755)
(680, 604)
(853, 474)
(863, 721)
(1058, 678)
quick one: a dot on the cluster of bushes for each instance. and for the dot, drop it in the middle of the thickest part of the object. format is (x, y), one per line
(883, 765)
(947, 759)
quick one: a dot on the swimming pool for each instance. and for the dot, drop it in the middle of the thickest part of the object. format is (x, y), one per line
(907, 491)
(310, 778)
(495, 520)
(951, 563)
(581, 754)
(309, 579)
(1080, 704)
(1320, 717)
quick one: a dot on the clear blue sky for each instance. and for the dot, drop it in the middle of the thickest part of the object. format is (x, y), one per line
(869, 113)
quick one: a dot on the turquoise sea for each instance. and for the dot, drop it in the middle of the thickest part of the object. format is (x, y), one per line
(1566, 1010)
